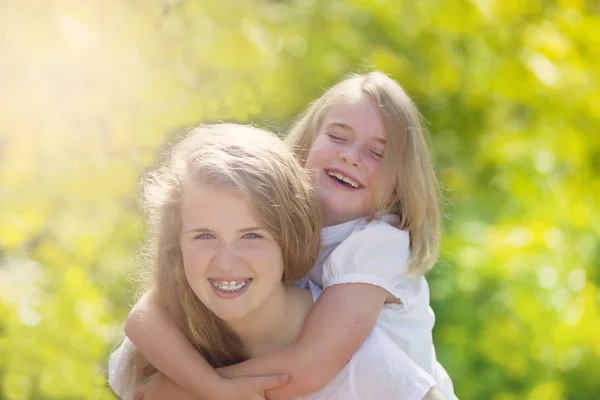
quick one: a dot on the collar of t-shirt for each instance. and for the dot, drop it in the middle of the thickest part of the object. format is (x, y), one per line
(336, 234)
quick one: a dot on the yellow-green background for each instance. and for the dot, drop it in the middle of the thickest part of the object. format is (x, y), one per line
(91, 90)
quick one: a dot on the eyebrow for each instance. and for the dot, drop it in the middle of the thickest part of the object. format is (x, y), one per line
(348, 127)
(206, 230)
(341, 125)
(252, 228)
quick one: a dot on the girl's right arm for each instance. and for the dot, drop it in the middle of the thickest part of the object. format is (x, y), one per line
(167, 348)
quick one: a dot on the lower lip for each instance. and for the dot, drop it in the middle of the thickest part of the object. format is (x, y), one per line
(341, 185)
(229, 295)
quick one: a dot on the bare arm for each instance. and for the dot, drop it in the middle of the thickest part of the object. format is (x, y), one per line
(173, 354)
(178, 359)
(338, 324)
(160, 388)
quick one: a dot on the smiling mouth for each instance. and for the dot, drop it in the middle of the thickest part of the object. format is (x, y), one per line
(230, 286)
(344, 180)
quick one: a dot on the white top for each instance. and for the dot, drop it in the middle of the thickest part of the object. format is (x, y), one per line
(378, 371)
(377, 253)
(397, 361)
(116, 371)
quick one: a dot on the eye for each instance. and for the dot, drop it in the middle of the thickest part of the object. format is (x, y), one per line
(336, 137)
(204, 236)
(251, 236)
(377, 154)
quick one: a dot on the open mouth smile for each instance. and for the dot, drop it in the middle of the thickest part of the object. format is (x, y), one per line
(344, 180)
(230, 286)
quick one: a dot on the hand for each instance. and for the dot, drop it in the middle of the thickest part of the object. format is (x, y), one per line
(245, 388)
(159, 387)
(251, 387)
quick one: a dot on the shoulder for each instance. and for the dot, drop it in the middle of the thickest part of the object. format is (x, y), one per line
(378, 235)
(377, 254)
(380, 228)
(377, 243)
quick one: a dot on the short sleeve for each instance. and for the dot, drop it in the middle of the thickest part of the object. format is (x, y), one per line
(377, 255)
(117, 364)
(380, 370)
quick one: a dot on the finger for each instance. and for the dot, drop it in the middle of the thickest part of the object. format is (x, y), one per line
(270, 382)
(140, 392)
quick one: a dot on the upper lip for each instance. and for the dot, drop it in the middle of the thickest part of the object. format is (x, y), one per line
(232, 279)
(339, 171)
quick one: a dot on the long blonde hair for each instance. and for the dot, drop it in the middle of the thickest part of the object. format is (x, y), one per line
(266, 173)
(407, 176)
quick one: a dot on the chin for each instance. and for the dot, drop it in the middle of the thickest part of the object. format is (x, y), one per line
(338, 216)
(231, 315)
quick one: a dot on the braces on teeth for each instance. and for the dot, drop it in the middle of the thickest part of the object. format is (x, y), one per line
(230, 286)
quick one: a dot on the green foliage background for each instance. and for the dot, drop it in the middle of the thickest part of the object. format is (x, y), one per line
(91, 90)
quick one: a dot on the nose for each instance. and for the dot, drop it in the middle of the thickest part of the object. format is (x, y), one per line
(226, 259)
(350, 156)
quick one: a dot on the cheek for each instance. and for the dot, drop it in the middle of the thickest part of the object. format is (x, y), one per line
(270, 262)
(319, 150)
(372, 168)
(310, 160)
(195, 259)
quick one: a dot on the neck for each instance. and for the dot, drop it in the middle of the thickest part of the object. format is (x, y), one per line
(337, 221)
(332, 219)
(275, 325)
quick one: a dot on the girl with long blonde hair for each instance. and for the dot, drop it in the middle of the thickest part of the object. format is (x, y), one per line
(365, 149)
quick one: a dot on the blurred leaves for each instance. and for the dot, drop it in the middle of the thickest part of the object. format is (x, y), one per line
(91, 92)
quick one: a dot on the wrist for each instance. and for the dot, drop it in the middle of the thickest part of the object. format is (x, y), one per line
(211, 387)
(226, 373)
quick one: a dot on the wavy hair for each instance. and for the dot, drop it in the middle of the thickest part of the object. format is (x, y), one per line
(260, 167)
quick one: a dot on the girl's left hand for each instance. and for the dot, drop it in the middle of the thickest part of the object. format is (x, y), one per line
(162, 388)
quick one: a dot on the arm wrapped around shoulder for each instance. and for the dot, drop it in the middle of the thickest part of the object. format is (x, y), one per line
(377, 255)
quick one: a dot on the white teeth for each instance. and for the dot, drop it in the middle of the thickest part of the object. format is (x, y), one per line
(343, 178)
(229, 286)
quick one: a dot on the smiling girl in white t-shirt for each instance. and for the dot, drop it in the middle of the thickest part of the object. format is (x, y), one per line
(363, 145)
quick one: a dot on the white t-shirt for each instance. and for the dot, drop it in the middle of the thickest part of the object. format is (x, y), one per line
(378, 371)
(117, 363)
(377, 253)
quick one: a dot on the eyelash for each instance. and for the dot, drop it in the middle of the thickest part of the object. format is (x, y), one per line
(341, 139)
(204, 236)
(335, 137)
(207, 236)
(254, 236)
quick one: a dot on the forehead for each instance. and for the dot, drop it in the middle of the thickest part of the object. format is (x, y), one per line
(359, 115)
(215, 206)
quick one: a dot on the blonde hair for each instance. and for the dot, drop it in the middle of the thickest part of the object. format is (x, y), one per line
(266, 173)
(412, 193)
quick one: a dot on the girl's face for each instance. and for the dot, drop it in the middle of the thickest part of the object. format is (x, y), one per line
(345, 157)
(231, 263)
